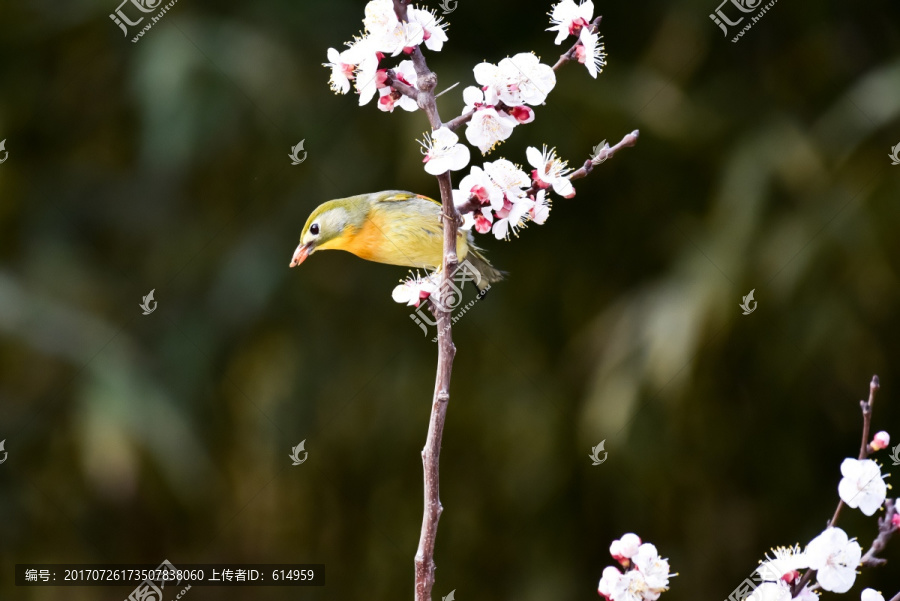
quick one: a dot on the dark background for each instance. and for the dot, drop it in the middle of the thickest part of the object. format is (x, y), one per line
(163, 165)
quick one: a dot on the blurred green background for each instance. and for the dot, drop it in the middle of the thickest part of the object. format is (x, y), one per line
(163, 165)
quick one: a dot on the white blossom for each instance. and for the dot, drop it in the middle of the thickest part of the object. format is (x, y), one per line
(478, 184)
(835, 559)
(432, 25)
(654, 568)
(342, 71)
(367, 80)
(526, 80)
(443, 153)
(550, 170)
(609, 581)
(862, 486)
(568, 18)
(415, 289)
(511, 180)
(511, 218)
(771, 591)
(541, 209)
(783, 561)
(869, 594)
(488, 127)
(631, 587)
(406, 72)
(625, 547)
(591, 53)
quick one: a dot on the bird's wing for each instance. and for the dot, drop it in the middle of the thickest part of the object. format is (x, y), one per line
(400, 195)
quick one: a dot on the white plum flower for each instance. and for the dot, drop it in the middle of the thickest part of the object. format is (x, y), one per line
(369, 79)
(525, 79)
(511, 180)
(488, 127)
(550, 170)
(541, 209)
(492, 81)
(386, 33)
(433, 27)
(443, 152)
(862, 486)
(771, 591)
(625, 547)
(631, 587)
(609, 581)
(478, 184)
(835, 558)
(869, 594)
(568, 18)
(511, 218)
(654, 568)
(806, 594)
(474, 99)
(342, 70)
(785, 560)
(406, 72)
(481, 221)
(591, 52)
(415, 289)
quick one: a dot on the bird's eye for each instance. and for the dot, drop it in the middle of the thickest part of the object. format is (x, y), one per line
(314, 229)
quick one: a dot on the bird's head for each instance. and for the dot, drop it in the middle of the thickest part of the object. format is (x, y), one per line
(331, 225)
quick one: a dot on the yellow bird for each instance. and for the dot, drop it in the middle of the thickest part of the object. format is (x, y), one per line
(393, 227)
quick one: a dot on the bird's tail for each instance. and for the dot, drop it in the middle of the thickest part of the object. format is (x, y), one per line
(489, 273)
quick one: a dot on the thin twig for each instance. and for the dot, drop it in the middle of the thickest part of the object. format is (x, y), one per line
(866, 407)
(886, 529)
(629, 140)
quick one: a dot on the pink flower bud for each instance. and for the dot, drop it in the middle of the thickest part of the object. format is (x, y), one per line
(791, 577)
(482, 224)
(625, 548)
(881, 441)
(896, 520)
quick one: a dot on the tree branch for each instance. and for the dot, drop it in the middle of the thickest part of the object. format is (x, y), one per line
(886, 529)
(866, 407)
(426, 82)
(629, 140)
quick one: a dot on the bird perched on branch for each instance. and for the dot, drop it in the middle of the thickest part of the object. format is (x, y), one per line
(394, 227)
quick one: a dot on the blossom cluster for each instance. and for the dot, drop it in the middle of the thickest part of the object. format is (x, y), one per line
(645, 576)
(833, 555)
(385, 35)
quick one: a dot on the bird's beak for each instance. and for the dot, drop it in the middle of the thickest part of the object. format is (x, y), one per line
(303, 251)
